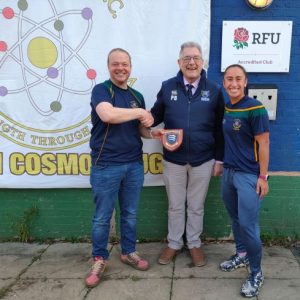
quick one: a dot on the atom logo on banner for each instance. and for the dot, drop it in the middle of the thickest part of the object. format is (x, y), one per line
(47, 52)
(45, 80)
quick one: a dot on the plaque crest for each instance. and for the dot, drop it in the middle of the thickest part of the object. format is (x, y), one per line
(172, 138)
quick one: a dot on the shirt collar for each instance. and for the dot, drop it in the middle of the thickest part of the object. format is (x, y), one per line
(194, 84)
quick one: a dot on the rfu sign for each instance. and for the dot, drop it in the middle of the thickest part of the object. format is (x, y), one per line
(265, 37)
(259, 46)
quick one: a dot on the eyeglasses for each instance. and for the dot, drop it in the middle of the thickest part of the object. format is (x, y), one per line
(187, 59)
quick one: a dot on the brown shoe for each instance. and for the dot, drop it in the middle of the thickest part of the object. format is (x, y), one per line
(167, 255)
(197, 257)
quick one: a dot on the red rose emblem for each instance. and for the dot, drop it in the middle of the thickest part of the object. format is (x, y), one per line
(241, 36)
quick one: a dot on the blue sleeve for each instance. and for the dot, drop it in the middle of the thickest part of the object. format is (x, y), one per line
(260, 121)
(100, 94)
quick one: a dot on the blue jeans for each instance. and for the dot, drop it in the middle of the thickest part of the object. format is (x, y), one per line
(243, 205)
(110, 182)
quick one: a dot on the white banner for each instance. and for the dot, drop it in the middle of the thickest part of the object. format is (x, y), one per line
(53, 52)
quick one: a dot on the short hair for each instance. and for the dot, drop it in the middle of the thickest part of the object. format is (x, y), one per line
(237, 66)
(190, 45)
(118, 49)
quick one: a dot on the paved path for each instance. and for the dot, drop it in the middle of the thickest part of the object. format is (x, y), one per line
(56, 272)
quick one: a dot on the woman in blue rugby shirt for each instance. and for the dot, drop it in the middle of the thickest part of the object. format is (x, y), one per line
(245, 175)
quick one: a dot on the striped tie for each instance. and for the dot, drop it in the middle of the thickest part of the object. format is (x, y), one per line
(189, 90)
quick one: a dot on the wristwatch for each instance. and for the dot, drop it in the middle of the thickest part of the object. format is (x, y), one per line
(264, 177)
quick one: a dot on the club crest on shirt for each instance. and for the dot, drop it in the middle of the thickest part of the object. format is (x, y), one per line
(205, 95)
(237, 124)
(174, 95)
(133, 104)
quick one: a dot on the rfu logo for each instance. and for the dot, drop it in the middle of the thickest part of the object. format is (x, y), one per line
(262, 38)
(174, 95)
(242, 38)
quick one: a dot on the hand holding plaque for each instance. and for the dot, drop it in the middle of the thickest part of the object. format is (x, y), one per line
(171, 138)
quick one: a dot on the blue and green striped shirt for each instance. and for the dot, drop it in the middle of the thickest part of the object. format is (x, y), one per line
(241, 123)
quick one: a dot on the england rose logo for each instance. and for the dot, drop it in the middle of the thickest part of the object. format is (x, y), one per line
(241, 37)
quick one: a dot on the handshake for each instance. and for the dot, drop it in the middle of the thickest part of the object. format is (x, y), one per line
(170, 138)
(146, 118)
